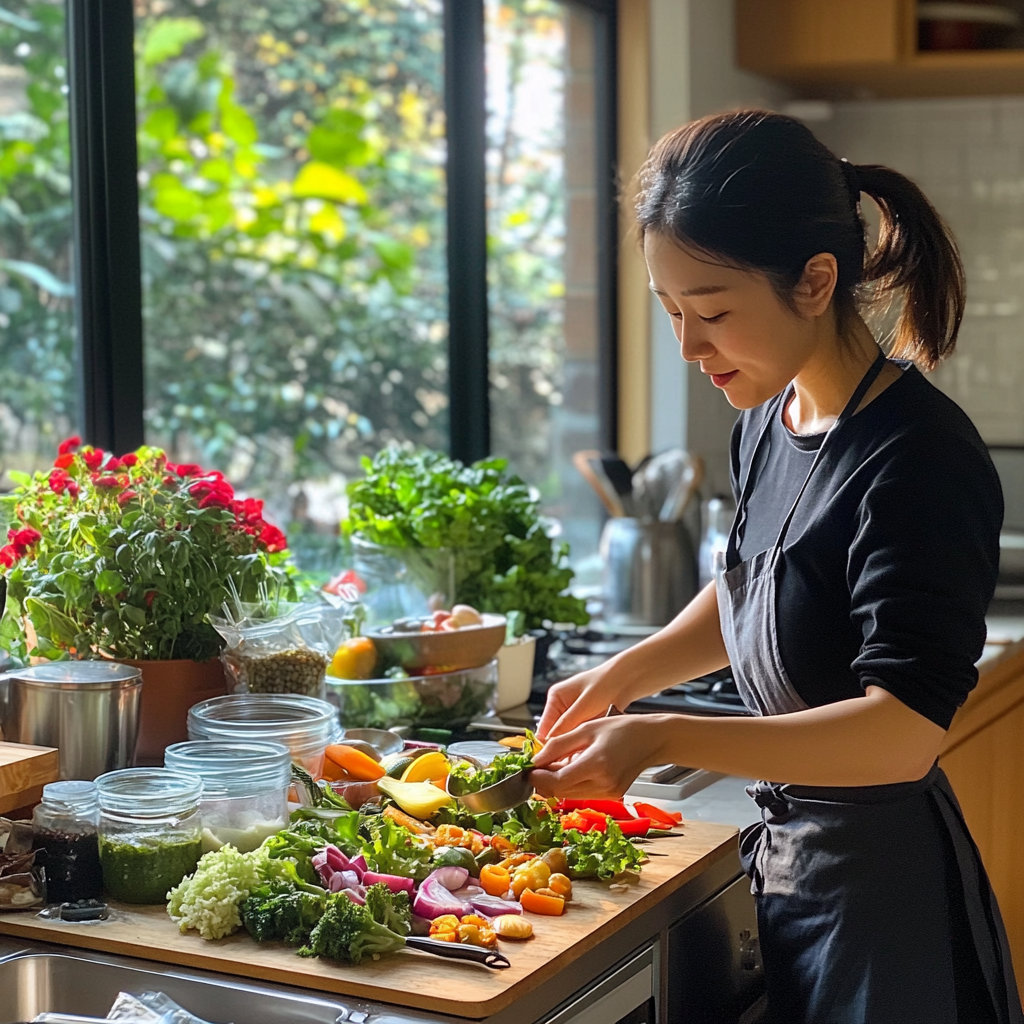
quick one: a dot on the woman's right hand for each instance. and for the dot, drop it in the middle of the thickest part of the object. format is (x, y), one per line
(583, 697)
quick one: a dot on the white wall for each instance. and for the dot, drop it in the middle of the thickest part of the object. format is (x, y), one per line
(693, 73)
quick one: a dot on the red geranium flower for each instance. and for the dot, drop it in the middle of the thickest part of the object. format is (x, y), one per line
(114, 465)
(59, 481)
(64, 460)
(93, 457)
(187, 469)
(108, 482)
(272, 538)
(70, 444)
(8, 556)
(131, 459)
(24, 538)
(125, 496)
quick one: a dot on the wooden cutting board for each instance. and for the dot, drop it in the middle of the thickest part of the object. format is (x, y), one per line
(24, 770)
(409, 978)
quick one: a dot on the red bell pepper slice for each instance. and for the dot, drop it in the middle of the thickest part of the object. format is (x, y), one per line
(615, 808)
(585, 821)
(635, 826)
(667, 818)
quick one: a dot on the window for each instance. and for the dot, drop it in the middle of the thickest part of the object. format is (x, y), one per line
(292, 201)
(543, 266)
(38, 401)
(270, 231)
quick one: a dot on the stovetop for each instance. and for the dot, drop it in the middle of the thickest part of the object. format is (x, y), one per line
(713, 694)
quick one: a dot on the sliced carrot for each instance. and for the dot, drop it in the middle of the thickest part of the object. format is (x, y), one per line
(359, 766)
(535, 903)
(420, 828)
(333, 772)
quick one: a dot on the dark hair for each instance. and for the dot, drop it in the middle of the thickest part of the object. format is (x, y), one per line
(756, 190)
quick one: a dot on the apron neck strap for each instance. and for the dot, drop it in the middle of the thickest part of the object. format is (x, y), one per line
(779, 404)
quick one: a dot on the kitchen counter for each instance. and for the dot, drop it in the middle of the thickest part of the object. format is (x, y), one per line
(568, 957)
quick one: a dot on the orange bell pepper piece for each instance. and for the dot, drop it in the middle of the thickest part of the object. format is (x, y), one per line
(535, 903)
(359, 766)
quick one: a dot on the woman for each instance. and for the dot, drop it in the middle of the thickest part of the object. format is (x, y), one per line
(851, 602)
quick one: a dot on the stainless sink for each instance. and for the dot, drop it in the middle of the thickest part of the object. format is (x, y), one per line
(38, 978)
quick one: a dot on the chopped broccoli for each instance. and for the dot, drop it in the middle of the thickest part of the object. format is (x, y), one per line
(348, 932)
(389, 908)
(278, 911)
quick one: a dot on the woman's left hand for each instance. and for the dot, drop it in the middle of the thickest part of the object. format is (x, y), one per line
(601, 758)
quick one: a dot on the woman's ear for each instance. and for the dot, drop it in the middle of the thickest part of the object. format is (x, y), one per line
(813, 292)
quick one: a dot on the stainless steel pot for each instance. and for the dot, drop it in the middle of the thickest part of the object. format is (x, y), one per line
(88, 710)
(650, 571)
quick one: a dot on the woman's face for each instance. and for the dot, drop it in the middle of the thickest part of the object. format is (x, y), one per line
(732, 323)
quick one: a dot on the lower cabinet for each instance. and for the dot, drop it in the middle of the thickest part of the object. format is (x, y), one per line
(713, 961)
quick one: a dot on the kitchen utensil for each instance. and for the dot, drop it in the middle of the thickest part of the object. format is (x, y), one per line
(650, 571)
(456, 951)
(383, 741)
(588, 463)
(654, 479)
(89, 710)
(510, 792)
(677, 502)
(454, 649)
(617, 470)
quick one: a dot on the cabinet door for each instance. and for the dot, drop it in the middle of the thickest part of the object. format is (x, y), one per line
(779, 36)
(714, 961)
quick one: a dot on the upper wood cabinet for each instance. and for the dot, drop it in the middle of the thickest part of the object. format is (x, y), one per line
(840, 48)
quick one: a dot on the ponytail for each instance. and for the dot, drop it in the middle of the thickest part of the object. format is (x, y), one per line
(917, 256)
(757, 191)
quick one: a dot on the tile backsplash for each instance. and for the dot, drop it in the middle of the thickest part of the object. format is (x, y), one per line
(968, 157)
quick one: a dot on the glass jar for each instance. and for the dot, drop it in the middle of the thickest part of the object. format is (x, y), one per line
(245, 788)
(305, 725)
(64, 828)
(149, 831)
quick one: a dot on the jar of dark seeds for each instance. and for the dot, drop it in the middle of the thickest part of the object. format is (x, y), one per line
(298, 670)
(65, 830)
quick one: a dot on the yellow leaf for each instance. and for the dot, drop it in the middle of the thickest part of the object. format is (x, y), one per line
(321, 181)
(327, 222)
(264, 197)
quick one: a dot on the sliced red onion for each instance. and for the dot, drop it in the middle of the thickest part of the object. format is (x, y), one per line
(396, 883)
(336, 882)
(467, 892)
(434, 899)
(420, 925)
(319, 859)
(355, 896)
(495, 906)
(337, 860)
(450, 877)
(350, 878)
(358, 864)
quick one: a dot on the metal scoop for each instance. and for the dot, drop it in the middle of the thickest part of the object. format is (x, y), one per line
(508, 793)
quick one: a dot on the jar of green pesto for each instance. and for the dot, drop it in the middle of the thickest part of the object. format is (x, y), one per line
(149, 831)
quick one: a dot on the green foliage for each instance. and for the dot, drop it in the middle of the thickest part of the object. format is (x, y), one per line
(489, 519)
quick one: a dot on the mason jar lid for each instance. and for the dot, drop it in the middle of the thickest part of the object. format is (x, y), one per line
(232, 768)
(72, 798)
(149, 792)
(76, 674)
(275, 717)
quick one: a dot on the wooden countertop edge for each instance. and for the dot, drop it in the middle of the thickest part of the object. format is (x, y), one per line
(31, 929)
(992, 698)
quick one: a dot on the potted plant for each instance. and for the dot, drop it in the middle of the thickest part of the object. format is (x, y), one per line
(125, 558)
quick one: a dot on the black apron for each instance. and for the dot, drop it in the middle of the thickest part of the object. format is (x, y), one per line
(873, 905)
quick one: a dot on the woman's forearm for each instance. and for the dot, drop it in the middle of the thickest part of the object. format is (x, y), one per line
(689, 646)
(866, 741)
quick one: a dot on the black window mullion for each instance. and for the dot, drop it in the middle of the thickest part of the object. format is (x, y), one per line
(465, 117)
(108, 279)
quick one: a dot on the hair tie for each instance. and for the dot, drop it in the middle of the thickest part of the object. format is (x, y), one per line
(852, 180)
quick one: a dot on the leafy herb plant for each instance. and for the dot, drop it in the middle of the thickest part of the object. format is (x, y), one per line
(488, 518)
(127, 557)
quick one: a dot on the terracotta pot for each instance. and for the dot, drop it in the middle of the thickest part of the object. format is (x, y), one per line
(169, 689)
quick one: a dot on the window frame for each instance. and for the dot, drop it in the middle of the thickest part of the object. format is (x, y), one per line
(108, 268)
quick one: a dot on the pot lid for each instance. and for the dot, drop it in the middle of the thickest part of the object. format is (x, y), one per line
(79, 673)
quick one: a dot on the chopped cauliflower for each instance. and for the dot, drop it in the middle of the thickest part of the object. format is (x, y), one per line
(209, 899)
